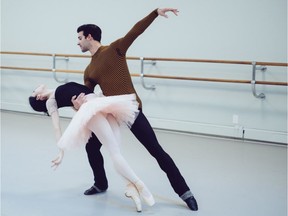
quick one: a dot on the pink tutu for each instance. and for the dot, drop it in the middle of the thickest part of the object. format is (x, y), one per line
(123, 107)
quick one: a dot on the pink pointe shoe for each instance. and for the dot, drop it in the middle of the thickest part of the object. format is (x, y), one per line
(132, 192)
(145, 193)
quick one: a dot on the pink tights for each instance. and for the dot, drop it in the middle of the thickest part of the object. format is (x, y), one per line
(107, 129)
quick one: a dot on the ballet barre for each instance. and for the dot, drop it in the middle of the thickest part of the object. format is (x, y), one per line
(255, 66)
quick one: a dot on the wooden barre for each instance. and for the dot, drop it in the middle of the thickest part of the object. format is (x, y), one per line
(26, 53)
(156, 76)
(26, 68)
(218, 61)
(156, 59)
(41, 69)
(51, 70)
(218, 80)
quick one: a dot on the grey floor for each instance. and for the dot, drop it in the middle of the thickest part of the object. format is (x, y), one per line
(228, 177)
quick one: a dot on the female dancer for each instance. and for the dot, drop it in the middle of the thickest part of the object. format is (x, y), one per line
(100, 115)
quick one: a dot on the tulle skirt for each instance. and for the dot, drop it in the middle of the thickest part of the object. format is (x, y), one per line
(123, 107)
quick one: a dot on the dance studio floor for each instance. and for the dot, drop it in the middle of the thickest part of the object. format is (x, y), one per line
(228, 177)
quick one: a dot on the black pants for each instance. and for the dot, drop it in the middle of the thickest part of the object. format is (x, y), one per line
(145, 134)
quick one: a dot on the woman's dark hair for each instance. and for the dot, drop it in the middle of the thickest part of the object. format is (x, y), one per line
(91, 29)
(38, 105)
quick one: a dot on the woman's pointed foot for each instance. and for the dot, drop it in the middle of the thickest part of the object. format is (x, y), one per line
(145, 193)
(132, 192)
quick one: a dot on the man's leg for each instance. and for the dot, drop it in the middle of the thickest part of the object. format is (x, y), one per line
(96, 162)
(145, 134)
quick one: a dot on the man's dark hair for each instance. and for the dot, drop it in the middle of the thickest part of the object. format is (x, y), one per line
(91, 29)
(38, 105)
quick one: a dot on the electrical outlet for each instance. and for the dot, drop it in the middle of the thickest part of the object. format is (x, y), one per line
(235, 119)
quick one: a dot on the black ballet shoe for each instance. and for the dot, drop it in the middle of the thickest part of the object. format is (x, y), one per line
(192, 203)
(93, 190)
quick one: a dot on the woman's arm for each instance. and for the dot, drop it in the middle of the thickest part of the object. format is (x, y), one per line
(56, 125)
(53, 112)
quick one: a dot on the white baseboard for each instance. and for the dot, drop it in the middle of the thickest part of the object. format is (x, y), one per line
(237, 131)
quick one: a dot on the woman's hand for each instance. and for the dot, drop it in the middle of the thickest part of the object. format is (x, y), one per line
(162, 12)
(57, 161)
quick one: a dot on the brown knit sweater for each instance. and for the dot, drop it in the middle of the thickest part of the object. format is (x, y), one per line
(108, 67)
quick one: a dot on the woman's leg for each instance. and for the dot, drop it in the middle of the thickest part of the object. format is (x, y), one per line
(102, 129)
(131, 190)
(107, 131)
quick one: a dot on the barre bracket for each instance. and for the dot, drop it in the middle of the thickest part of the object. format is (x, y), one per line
(152, 87)
(253, 81)
(54, 69)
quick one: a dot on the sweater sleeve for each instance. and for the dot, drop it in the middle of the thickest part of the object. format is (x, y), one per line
(124, 43)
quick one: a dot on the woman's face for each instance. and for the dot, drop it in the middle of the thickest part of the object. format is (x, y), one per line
(39, 92)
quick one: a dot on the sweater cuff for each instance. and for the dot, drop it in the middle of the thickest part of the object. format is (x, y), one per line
(155, 11)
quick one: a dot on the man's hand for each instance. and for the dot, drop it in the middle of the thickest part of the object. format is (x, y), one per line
(162, 12)
(78, 101)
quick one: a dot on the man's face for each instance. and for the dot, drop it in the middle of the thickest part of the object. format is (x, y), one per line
(83, 42)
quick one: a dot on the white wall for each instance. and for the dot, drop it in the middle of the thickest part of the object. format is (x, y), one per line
(229, 30)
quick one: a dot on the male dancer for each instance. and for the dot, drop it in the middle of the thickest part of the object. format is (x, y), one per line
(108, 68)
